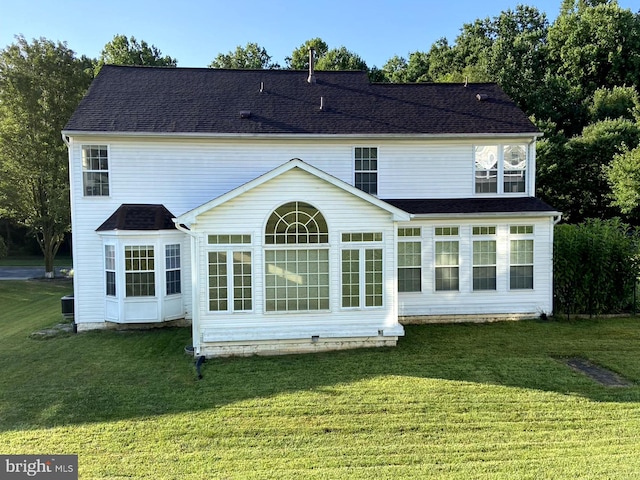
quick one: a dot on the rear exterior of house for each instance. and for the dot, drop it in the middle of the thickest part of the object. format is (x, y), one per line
(278, 215)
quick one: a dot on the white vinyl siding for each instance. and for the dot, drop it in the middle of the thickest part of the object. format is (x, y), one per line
(504, 299)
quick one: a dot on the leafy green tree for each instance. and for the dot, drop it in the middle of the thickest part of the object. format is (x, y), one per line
(299, 59)
(575, 172)
(325, 58)
(340, 59)
(617, 102)
(41, 84)
(251, 56)
(128, 51)
(595, 44)
(624, 177)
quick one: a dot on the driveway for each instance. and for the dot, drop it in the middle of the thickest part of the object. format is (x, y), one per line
(25, 273)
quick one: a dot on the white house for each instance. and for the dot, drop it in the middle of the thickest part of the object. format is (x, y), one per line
(280, 211)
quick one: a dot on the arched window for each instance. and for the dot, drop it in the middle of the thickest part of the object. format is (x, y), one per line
(296, 279)
(296, 222)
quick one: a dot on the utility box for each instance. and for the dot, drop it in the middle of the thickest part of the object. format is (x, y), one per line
(67, 306)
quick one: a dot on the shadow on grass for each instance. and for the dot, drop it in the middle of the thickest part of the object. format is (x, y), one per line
(108, 375)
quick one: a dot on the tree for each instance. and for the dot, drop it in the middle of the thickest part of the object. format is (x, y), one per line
(251, 56)
(41, 84)
(299, 59)
(575, 172)
(325, 58)
(340, 59)
(624, 177)
(595, 44)
(617, 102)
(128, 51)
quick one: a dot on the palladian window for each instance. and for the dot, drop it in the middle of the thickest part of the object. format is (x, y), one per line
(297, 260)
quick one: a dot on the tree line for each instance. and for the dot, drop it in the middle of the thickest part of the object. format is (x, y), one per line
(576, 77)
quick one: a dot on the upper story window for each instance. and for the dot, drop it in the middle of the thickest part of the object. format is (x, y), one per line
(95, 170)
(366, 169)
(500, 168)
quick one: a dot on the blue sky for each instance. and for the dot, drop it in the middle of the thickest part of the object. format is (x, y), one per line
(194, 32)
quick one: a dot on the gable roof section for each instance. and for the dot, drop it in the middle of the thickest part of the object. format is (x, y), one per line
(189, 217)
(509, 206)
(204, 101)
(139, 217)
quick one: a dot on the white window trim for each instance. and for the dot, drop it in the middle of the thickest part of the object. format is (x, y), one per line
(376, 171)
(108, 170)
(500, 174)
(446, 238)
(230, 249)
(521, 236)
(411, 239)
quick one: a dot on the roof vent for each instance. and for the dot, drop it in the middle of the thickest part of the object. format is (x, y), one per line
(322, 107)
(245, 113)
(312, 76)
(482, 97)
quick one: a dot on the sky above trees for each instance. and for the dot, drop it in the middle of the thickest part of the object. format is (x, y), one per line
(194, 32)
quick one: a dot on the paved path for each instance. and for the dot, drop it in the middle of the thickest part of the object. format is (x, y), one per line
(25, 273)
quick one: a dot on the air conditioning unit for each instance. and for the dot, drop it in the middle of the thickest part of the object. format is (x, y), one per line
(67, 306)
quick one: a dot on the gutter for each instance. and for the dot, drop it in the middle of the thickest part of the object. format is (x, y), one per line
(289, 136)
(426, 216)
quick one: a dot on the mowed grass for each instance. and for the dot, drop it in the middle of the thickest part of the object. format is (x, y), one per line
(489, 401)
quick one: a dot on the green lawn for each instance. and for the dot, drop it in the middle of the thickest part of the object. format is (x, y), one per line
(34, 261)
(486, 401)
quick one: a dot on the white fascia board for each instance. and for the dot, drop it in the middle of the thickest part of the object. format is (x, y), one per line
(292, 136)
(189, 218)
(140, 233)
(426, 216)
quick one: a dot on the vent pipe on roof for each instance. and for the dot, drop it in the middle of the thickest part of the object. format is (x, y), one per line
(321, 103)
(482, 97)
(261, 87)
(312, 76)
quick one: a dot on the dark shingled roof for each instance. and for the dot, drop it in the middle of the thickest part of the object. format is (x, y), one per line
(472, 205)
(139, 217)
(210, 101)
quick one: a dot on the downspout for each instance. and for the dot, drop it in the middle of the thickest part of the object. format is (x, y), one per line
(195, 297)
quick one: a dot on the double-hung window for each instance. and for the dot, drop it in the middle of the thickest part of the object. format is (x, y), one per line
(521, 257)
(110, 269)
(172, 269)
(366, 169)
(447, 267)
(95, 170)
(500, 168)
(362, 270)
(139, 271)
(409, 260)
(230, 273)
(484, 258)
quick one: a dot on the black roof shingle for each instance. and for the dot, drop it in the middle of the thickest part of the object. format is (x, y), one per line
(210, 101)
(452, 206)
(139, 217)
